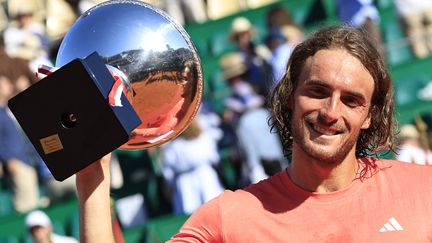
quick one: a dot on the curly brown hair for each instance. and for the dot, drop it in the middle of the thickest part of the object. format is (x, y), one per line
(380, 135)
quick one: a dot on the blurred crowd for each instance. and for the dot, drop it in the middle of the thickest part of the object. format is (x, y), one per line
(31, 32)
(220, 150)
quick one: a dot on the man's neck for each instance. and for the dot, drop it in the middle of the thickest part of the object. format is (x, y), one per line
(314, 176)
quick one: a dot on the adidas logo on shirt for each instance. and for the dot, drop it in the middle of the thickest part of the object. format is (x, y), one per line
(391, 225)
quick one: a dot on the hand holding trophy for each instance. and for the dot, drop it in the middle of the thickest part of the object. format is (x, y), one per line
(128, 77)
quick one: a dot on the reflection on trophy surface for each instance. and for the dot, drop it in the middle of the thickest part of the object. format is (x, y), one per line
(151, 56)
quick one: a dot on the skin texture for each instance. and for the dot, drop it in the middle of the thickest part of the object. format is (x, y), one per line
(93, 187)
(331, 105)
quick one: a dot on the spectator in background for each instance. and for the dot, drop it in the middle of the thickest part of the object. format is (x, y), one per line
(235, 72)
(410, 148)
(15, 155)
(283, 34)
(17, 70)
(26, 39)
(56, 191)
(60, 16)
(362, 14)
(187, 11)
(23, 25)
(255, 56)
(262, 148)
(184, 11)
(416, 20)
(188, 167)
(41, 229)
(259, 150)
(209, 120)
(281, 50)
(37, 7)
(280, 18)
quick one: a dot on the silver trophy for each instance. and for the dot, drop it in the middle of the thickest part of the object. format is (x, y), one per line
(153, 55)
(127, 76)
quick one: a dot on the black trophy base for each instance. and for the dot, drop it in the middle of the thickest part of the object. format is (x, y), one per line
(67, 117)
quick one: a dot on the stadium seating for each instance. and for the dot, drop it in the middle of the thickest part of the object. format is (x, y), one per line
(6, 207)
(9, 239)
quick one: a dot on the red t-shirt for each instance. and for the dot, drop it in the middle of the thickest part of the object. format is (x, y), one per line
(392, 205)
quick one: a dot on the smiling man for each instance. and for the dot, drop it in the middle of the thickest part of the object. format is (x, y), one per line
(334, 112)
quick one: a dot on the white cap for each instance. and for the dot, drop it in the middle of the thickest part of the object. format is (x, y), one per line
(239, 25)
(37, 218)
(409, 131)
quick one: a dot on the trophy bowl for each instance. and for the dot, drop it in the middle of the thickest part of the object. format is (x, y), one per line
(154, 58)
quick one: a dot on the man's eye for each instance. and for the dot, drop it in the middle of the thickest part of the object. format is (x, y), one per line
(350, 101)
(317, 92)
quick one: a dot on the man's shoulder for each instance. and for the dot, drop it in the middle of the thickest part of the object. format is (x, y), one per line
(236, 198)
(402, 166)
(403, 171)
(254, 195)
(231, 209)
(209, 222)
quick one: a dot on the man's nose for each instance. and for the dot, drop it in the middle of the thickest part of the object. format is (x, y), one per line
(330, 112)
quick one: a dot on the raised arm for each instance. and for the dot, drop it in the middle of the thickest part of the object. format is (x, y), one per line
(93, 187)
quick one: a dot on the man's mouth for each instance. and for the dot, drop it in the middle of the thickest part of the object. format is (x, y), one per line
(324, 130)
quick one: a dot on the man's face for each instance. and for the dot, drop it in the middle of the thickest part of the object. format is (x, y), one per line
(243, 39)
(330, 106)
(41, 234)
